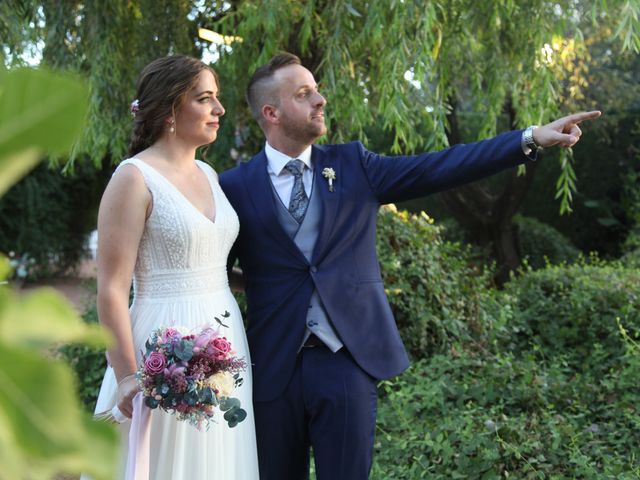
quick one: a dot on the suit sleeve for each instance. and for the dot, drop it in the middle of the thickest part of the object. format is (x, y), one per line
(398, 178)
(231, 259)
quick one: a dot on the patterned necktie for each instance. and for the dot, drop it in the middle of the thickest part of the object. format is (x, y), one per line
(299, 199)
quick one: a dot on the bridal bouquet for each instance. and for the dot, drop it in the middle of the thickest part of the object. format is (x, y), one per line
(191, 374)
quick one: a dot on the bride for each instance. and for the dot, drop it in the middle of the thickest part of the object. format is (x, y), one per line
(165, 222)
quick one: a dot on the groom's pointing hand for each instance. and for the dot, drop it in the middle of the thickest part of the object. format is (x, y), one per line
(564, 131)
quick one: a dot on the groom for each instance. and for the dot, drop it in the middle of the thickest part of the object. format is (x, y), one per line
(320, 329)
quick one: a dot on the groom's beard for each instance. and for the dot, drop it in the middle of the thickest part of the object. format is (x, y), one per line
(306, 132)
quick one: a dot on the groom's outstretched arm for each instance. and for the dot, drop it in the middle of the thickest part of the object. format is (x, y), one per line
(398, 178)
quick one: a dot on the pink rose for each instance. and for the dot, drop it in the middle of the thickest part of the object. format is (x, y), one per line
(169, 334)
(222, 347)
(154, 363)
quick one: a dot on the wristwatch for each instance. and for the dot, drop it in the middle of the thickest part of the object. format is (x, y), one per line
(530, 145)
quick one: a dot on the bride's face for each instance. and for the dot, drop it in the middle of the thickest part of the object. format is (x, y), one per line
(198, 116)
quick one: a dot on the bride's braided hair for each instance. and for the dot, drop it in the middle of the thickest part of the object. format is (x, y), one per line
(161, 87)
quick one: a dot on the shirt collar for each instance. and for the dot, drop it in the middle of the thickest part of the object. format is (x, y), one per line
(277, 160)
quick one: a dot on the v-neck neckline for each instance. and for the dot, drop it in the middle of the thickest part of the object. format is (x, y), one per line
(177, 190)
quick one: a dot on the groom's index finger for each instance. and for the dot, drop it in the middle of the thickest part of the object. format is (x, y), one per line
(580, 117)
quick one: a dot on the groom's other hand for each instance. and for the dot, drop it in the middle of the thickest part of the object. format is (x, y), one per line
(564, 131)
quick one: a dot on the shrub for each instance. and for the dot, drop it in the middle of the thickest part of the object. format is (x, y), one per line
(570, 312)
(434, 290)
(88, 365)
(631, 259)
(552, 393)
(498, 416)
(46, 217)
(540, 243)
(631, 205)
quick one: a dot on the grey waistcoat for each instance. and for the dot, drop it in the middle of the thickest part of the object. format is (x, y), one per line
(305, 235)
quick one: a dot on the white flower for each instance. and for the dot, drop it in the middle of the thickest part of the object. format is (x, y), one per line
(223, 382)
(330, 174)
(134, 107)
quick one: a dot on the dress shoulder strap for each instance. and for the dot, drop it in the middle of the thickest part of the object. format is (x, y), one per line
(148, 173)
(208, 169)
(139, 164)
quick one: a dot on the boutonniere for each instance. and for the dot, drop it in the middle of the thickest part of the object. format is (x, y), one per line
(330, 174)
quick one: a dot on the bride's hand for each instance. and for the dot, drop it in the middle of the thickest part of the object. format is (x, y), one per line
(127, 389)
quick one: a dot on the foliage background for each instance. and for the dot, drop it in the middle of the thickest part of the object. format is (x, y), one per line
(533, 381)
(43, 430)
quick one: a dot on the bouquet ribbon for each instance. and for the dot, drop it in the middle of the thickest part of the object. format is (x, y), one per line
(139, 440)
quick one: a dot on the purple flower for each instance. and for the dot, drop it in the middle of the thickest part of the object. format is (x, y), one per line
(174, 370)
(155, 363)
(175, 376)
(170, 334)
(202, 340)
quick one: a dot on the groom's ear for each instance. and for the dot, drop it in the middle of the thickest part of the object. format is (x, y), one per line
(270, 114)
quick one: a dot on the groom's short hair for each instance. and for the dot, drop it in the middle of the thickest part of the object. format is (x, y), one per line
(261, 90)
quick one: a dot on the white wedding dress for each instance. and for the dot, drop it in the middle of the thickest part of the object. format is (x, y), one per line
(180, 279)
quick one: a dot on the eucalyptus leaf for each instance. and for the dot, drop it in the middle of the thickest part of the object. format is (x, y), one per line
(227, 403)
(234, 416)
(184, 350)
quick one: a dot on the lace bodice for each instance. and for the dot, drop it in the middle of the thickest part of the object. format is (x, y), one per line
(182, 252)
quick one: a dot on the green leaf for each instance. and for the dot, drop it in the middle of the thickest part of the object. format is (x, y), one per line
(40, 108)
(43, 429)
(40, 112)
(227, 403)
(14, 166)
(352, 10)
(184, 350)
(42, 319)
(5, 267)
(608, 221)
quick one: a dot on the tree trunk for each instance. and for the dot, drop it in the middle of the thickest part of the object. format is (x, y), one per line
(487, 216)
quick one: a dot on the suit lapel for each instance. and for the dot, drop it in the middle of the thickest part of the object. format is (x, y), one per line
(330, 200)
(260, 191)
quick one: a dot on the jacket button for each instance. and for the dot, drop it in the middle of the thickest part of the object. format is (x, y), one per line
(314, 269)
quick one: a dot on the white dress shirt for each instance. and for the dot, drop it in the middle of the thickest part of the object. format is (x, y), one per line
(281, 178)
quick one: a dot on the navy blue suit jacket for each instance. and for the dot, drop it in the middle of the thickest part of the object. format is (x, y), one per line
(344, 267)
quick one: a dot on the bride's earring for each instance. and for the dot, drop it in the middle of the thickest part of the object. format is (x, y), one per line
(172, 126)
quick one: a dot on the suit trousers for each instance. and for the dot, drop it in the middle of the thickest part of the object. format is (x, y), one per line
(329, 406)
